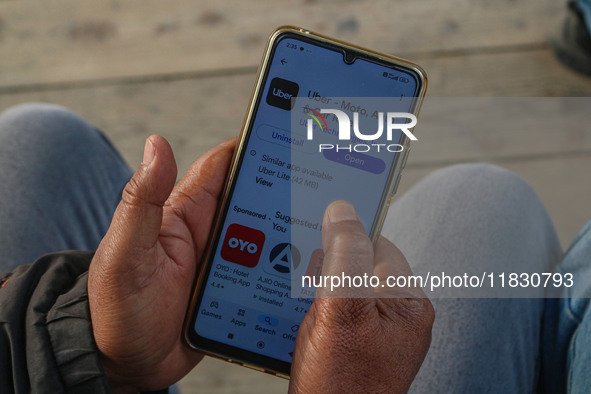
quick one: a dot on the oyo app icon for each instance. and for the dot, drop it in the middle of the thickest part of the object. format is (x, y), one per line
(243, 245)
(280, 93)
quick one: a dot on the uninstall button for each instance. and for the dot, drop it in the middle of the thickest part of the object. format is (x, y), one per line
(355, 159)
(286, 139)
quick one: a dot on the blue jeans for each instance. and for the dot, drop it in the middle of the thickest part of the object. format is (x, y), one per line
(567, 325)
(585, 7)
(481, 218)
(62, 179)
(61, 182)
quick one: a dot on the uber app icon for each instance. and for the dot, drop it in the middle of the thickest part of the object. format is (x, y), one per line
(280, 93)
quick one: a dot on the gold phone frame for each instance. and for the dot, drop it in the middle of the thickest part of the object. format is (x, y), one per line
(388, 193)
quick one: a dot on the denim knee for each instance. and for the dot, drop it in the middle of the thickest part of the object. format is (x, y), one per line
(479, 188)
(61, 181)
(460, 206)
(44, 126)
(481, 178)
(44, 134)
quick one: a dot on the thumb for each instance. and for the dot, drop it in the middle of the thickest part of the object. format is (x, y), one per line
(138, 218)
(348, 252)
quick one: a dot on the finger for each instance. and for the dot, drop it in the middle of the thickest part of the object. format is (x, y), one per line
(126, 253)
(348, 253)
(195, 198)
(394, 272)
(137, 220)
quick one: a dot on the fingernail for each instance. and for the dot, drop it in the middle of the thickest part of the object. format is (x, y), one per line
(149, 152)
(340, 211)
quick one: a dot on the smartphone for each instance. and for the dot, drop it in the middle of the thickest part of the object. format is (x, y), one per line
(241, 310)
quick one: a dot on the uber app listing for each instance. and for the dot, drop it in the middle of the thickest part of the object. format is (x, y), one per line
(271, 230)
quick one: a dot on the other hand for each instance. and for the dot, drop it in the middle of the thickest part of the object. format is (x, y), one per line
(141, 276)
(370, 344)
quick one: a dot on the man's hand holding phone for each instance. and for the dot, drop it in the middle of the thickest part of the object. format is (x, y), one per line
(290, 163)
(375, 342)
(140, 282)
(141, 276)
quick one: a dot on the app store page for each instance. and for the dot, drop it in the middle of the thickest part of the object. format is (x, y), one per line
(247, 301)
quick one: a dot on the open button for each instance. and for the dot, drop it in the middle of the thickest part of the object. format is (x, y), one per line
(357, 160)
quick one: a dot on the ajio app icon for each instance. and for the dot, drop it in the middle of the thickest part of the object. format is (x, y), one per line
(282, 259)
(243, 245)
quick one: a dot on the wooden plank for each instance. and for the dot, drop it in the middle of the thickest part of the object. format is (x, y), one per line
(564, 188)
(196, 114)
(64, 40)
(219, 377)
(532, 73)
(501, 128)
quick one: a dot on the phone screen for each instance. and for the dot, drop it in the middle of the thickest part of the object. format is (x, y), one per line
(244, 311)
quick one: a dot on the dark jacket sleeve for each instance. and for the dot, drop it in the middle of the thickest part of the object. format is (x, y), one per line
(46, 341)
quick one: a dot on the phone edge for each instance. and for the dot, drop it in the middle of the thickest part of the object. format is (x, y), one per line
(240, 145)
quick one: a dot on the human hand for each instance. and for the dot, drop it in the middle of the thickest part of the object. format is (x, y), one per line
(374, 343)
(140, 279)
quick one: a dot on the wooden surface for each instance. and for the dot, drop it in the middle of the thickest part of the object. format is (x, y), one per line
(64, 40)
(184, 69)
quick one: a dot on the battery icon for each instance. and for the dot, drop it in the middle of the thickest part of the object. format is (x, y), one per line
(403, 80)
